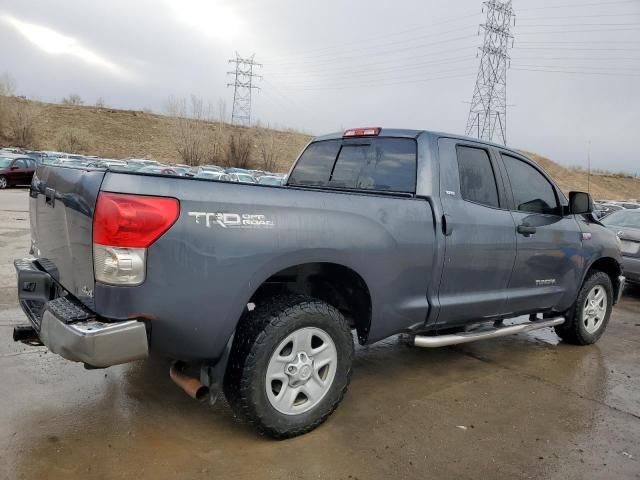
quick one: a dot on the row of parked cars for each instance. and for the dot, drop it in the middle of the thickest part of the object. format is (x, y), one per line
(603, 208)
(17, 167)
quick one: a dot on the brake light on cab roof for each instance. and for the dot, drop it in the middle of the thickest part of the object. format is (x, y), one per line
(362, 132)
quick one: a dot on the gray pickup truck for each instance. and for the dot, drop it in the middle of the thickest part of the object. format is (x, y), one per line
(255, 290)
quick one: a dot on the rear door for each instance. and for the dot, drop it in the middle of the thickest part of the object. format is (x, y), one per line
(480, 242)
(62, 204)
(548, 261)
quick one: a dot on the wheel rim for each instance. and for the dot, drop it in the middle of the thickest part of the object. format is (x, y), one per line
(301, 371)
(594, 309)
(3, 182)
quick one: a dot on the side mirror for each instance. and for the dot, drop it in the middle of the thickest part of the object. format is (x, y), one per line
(580, 203)
(14, 167)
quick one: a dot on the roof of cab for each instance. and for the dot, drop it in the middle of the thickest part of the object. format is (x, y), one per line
(409, 133)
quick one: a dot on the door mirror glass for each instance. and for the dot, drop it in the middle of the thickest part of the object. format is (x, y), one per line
(580, 202)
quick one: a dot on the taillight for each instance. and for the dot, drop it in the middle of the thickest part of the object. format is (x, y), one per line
(123, 227)
(362, 132)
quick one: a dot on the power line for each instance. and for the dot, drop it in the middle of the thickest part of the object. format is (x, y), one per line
(521, 19)
(341, 74)
(242, 88)
(394, 83)
(369, 79)
(346, 45)
(576, 72)
(578, 5)
(378, 52)
(488, 112)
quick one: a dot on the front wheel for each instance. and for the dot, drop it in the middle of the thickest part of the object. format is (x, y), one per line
(4, 183)
(588, 318)
(290, 365)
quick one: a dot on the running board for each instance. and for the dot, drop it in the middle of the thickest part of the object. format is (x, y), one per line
(494, 332)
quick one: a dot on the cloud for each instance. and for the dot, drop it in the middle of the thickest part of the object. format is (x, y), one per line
(211, 18)
(55, 43)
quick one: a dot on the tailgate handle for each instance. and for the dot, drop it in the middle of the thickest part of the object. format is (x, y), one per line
(49, 196)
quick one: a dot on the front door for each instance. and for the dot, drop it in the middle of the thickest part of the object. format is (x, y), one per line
(480, 241)
(548, 261)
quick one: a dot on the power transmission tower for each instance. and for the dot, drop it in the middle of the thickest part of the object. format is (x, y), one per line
(488, 113)
(243, 88)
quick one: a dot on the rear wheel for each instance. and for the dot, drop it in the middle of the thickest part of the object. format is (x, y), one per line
(588, 318)
(290, 365)
(4, 183)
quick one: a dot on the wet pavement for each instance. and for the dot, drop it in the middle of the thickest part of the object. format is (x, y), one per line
(517, 407)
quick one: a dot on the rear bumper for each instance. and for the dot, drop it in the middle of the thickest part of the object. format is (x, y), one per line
(70, 329)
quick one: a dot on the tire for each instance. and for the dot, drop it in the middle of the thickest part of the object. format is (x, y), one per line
(586, 321)
(268, 342)
(4, 183)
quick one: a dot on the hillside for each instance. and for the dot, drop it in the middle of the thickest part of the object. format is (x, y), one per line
(115, 133)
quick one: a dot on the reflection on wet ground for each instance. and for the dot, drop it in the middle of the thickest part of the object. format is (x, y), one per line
(524, 406)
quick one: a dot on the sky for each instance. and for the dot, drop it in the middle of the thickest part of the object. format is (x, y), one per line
(572, 86)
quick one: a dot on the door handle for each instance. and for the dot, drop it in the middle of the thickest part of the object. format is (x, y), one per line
(526, 230)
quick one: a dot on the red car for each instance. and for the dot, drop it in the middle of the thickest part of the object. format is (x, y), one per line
(16, 169)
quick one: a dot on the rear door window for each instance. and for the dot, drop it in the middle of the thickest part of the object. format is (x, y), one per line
(477, 179)
(316, 163)
(532, 192)
(383, 164)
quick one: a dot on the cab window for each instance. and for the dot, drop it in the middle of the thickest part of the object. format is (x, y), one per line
(532, 192)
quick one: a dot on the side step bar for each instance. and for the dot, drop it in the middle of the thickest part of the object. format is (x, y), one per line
(494, 332)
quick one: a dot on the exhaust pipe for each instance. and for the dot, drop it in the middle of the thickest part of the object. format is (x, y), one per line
(466, 337)
(191, 385)
(26, 334)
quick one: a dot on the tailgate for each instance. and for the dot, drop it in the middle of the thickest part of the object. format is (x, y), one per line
(61, 205)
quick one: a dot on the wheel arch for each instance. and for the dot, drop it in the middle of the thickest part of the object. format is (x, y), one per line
(335, 283)
(611, 267)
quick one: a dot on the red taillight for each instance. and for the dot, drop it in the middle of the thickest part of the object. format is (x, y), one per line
(134, 221)
(362, 132)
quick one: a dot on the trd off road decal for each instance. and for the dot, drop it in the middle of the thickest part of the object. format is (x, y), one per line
(232, 220)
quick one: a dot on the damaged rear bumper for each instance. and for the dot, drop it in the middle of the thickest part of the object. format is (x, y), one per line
(70, 329)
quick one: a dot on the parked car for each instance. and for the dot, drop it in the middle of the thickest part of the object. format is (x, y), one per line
(626, 224)
(183, 171)
(158, 170)
(207, 168)
(16, 169)
(377, 232)
(242, 178)
(138, 163)
(270, 180)
(213, 175)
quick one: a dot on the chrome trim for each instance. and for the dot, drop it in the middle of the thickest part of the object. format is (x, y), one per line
(95, 343)
(466, 337)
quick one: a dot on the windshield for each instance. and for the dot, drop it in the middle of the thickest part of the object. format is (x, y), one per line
(5, 162)
(623, 218)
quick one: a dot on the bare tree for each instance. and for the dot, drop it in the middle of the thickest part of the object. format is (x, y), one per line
(7, 85)
(189, 129)
(22, 124)
(100, 102)
(267, 150)
(73, 99)
(73, 140)
(238, 151)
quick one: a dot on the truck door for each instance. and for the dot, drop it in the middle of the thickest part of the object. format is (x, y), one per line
(479, 232)
(548, 262)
